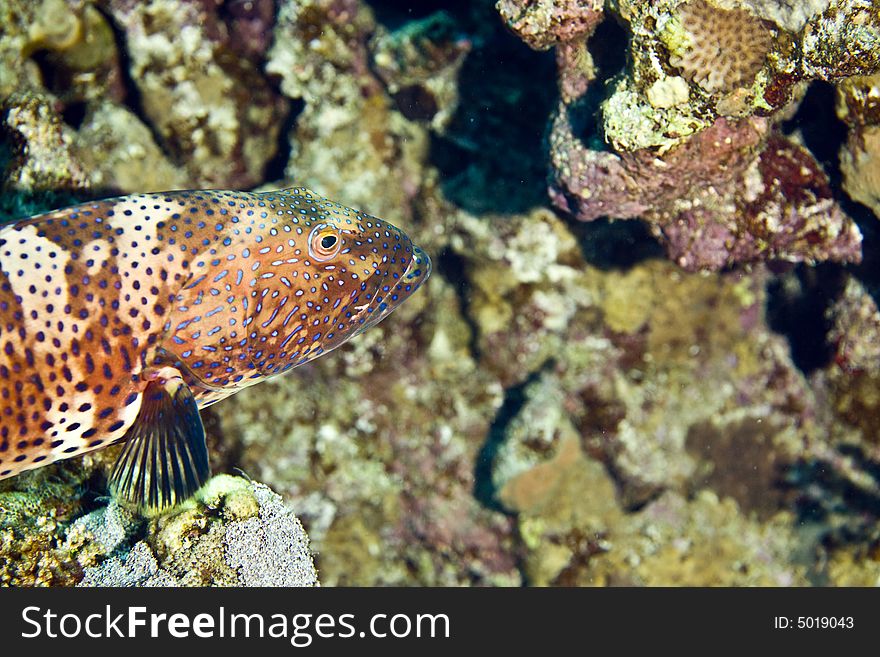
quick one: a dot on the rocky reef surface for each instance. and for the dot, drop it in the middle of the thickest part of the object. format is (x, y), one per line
(235, 532)
(685, 397)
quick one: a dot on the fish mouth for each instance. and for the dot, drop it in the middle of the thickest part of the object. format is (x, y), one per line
(417, 272)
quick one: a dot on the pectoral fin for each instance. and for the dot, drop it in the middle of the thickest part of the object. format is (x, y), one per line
(165, 459)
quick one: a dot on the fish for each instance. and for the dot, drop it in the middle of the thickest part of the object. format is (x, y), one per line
(120, 319)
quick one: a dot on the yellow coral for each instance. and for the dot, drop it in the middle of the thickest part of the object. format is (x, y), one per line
(719, 49)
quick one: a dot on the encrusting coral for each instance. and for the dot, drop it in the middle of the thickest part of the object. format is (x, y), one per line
(234, 532)
(691, 130)
(858, 105)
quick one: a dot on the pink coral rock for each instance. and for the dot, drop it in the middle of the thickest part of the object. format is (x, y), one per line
(692, 143)
(730, 194)
(545, 23)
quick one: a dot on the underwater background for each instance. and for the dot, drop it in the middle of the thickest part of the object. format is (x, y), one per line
(649, 352)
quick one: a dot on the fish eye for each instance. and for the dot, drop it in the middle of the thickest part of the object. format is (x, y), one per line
(324, 242)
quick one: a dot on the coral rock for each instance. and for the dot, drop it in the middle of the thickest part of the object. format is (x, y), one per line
(545, 23)
(858, 105)
(213, 109)
(715, 200)
(854, 379)
(239, 534)
(419, 64)
(692, 145)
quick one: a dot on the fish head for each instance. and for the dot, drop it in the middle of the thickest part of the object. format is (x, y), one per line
(378, 268)
(352, 270)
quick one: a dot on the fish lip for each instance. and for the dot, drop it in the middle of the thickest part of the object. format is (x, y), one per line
(417, 272)
(419, 267)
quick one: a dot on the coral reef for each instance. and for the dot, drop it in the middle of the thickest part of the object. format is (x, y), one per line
(419, 64)
(556, 406)
(66, 46)
(786, 213)
(348, 141)
(598, 352)
(211, 106)
(241, 534)
(236, 532)
(855, 378)
(692, 126)
(186, 105)
(546, 23)
(42, 146)
(577, 535)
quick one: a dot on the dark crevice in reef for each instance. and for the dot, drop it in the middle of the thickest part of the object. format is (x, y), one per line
(800, 296)
(394, 14)
(609, 50)
(492, 157)
(797, 304)
(53, 76)
(277, 165)
(868, 271)
(824, 134)
(452, 268)
(615, 244)
(74, 114)
(826, 494)
(133, 99)
(606, 243)
(514, 400)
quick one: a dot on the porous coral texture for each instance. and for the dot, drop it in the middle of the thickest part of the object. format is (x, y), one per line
(722, 49)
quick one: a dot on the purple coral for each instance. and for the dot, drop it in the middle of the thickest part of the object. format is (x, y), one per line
(545, 23)
(734, 191)
(727, 195)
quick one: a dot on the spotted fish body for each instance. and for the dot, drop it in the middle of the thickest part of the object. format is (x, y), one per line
(202, 291)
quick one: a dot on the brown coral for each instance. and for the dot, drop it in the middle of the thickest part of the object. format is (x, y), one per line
(723, 48)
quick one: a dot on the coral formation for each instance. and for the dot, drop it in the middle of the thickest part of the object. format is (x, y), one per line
(240, 534)
(419, 64)
(855, 378)
(695, 147)
(348, 142)
(577, 535)
(546, 23)
(740, 207)
(236, 532)
(211, 106)
(842, 41)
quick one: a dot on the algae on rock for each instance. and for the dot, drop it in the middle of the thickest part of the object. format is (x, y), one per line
(234, 533)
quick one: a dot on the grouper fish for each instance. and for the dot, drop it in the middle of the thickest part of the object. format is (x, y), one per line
(120, 319)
